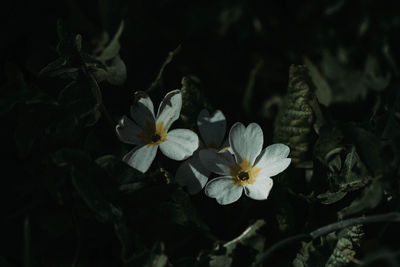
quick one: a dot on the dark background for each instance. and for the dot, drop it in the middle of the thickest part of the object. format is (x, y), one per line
(48, 221)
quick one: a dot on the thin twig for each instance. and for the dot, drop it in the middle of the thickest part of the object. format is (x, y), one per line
(333, 227)
(168, 60)
(283, 243)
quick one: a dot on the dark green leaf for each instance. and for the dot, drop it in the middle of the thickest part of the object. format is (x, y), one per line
(114, 72)
(331, 197)
(193, 100)
(84, 171)
(118, 170)
(370, 198)
(368, 146)
(112, 49)
(82, 98)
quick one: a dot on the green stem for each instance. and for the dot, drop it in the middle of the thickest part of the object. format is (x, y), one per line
(168, 60)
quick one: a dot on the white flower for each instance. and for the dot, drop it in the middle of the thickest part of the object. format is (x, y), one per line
(248, 169)
(192, 173)
(149, 132)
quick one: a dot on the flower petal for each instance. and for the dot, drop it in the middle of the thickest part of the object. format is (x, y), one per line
(274, 168)
(142, 111)
(273, 160)
(127, 131)
(141, 157)
(180, 144)
(223, 190)
(246, 142)
(217, 162)
(192, 174)
(212, 128)
(272, 153)
(170, 108)
(260, 189)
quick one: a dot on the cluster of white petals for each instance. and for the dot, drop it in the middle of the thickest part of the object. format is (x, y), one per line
(246, 166)
(191, 173)
(240, 161)
(149, 132)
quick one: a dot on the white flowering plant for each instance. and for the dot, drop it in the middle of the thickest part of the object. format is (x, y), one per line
(192, 173)
(149, 132)
(247, 169)
(223, 160)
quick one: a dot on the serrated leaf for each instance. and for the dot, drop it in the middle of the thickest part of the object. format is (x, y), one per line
(311, 254)
(345, 248)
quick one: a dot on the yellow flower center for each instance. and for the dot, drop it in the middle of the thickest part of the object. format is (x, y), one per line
(243, 173)
(153, 135)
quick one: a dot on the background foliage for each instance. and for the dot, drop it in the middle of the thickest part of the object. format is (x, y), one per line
(69, 70)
